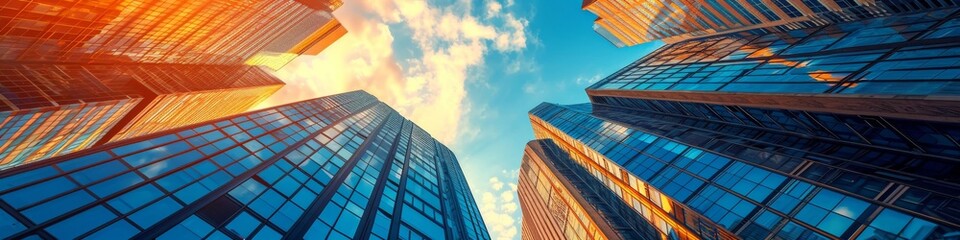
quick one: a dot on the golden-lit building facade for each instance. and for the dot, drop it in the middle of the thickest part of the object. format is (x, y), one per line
(160, 63)
(560, 200)
(174, 97)
(153, 31)
(306, 39)
(627, 23)
(49, 110)
(655, 207)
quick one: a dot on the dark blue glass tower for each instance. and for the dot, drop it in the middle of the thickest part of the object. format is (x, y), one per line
(339, 167)
(843, 131)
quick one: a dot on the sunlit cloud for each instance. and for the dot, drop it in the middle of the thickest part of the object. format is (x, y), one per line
(499, 206)
(427, 82)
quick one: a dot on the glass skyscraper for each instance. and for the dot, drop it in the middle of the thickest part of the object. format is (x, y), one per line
(841, 131)
(627, 23)
(152, 31)
(591, 211)
(339, 167)
(82, 73)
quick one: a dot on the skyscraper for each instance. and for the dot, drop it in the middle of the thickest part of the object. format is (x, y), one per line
(47, 110)
(175, 63)
(305, 38)
(177, 95)
(903, 65)
(52, 109)
(627, 23)
(338, 167)
(699, 178)
(577, 205)
(842, 131)
(152, 31)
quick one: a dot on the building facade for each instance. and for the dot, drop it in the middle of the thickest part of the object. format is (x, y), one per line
(845, 130)
(552, 186)
(47, 110)
(153, 31)
(339, 167)
(53, 109)
(693, 177)
(905, 66)
(627, 23)
(87, 72)
(177, 95)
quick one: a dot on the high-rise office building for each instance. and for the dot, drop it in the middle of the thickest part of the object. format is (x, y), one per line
(552, 186)
(305, 38)
(47, 110)
(175, 62)
(340, 167)
(53, 109)
(842, 131)
(178, 95)
(904, 65)
(152, 31)
(627, 23)
(697, 177)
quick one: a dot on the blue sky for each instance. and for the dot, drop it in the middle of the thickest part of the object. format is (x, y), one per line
(467, 72)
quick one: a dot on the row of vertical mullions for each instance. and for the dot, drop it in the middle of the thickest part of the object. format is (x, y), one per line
(805, 115)
(103, 200)
(680, 217)
(370, 214)
(598, 169)
(855, 76)
(442, 178)
(181, 25)
(256, 177)
(169, 222)
(402, 188)
(716, 228)
(304, 222)
(796, 175)
(707, 182)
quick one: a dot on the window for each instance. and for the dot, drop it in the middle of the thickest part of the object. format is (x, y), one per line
(9, 225)
(891, 223)
(791, 195)
(118, 230)
(38, 192)
(191, 228)
(761, 226)
(831, 211)
(753, 182)
(135, 198)
(80, 223)
(722, 207)
(149, 215)
(794, 231)
(243, 224)
(43, 212)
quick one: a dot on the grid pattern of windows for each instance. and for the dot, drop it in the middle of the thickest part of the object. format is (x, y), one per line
(260, 175)
(94, 71)
(554, 212)
(880, 142)
(154, 31)
(904, 55)
(626, 23)
(741, 184)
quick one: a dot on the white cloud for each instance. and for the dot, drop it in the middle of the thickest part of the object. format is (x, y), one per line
(495, 183)
(588, 80)
(493, 8)
(500, 208)
(428, 87)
